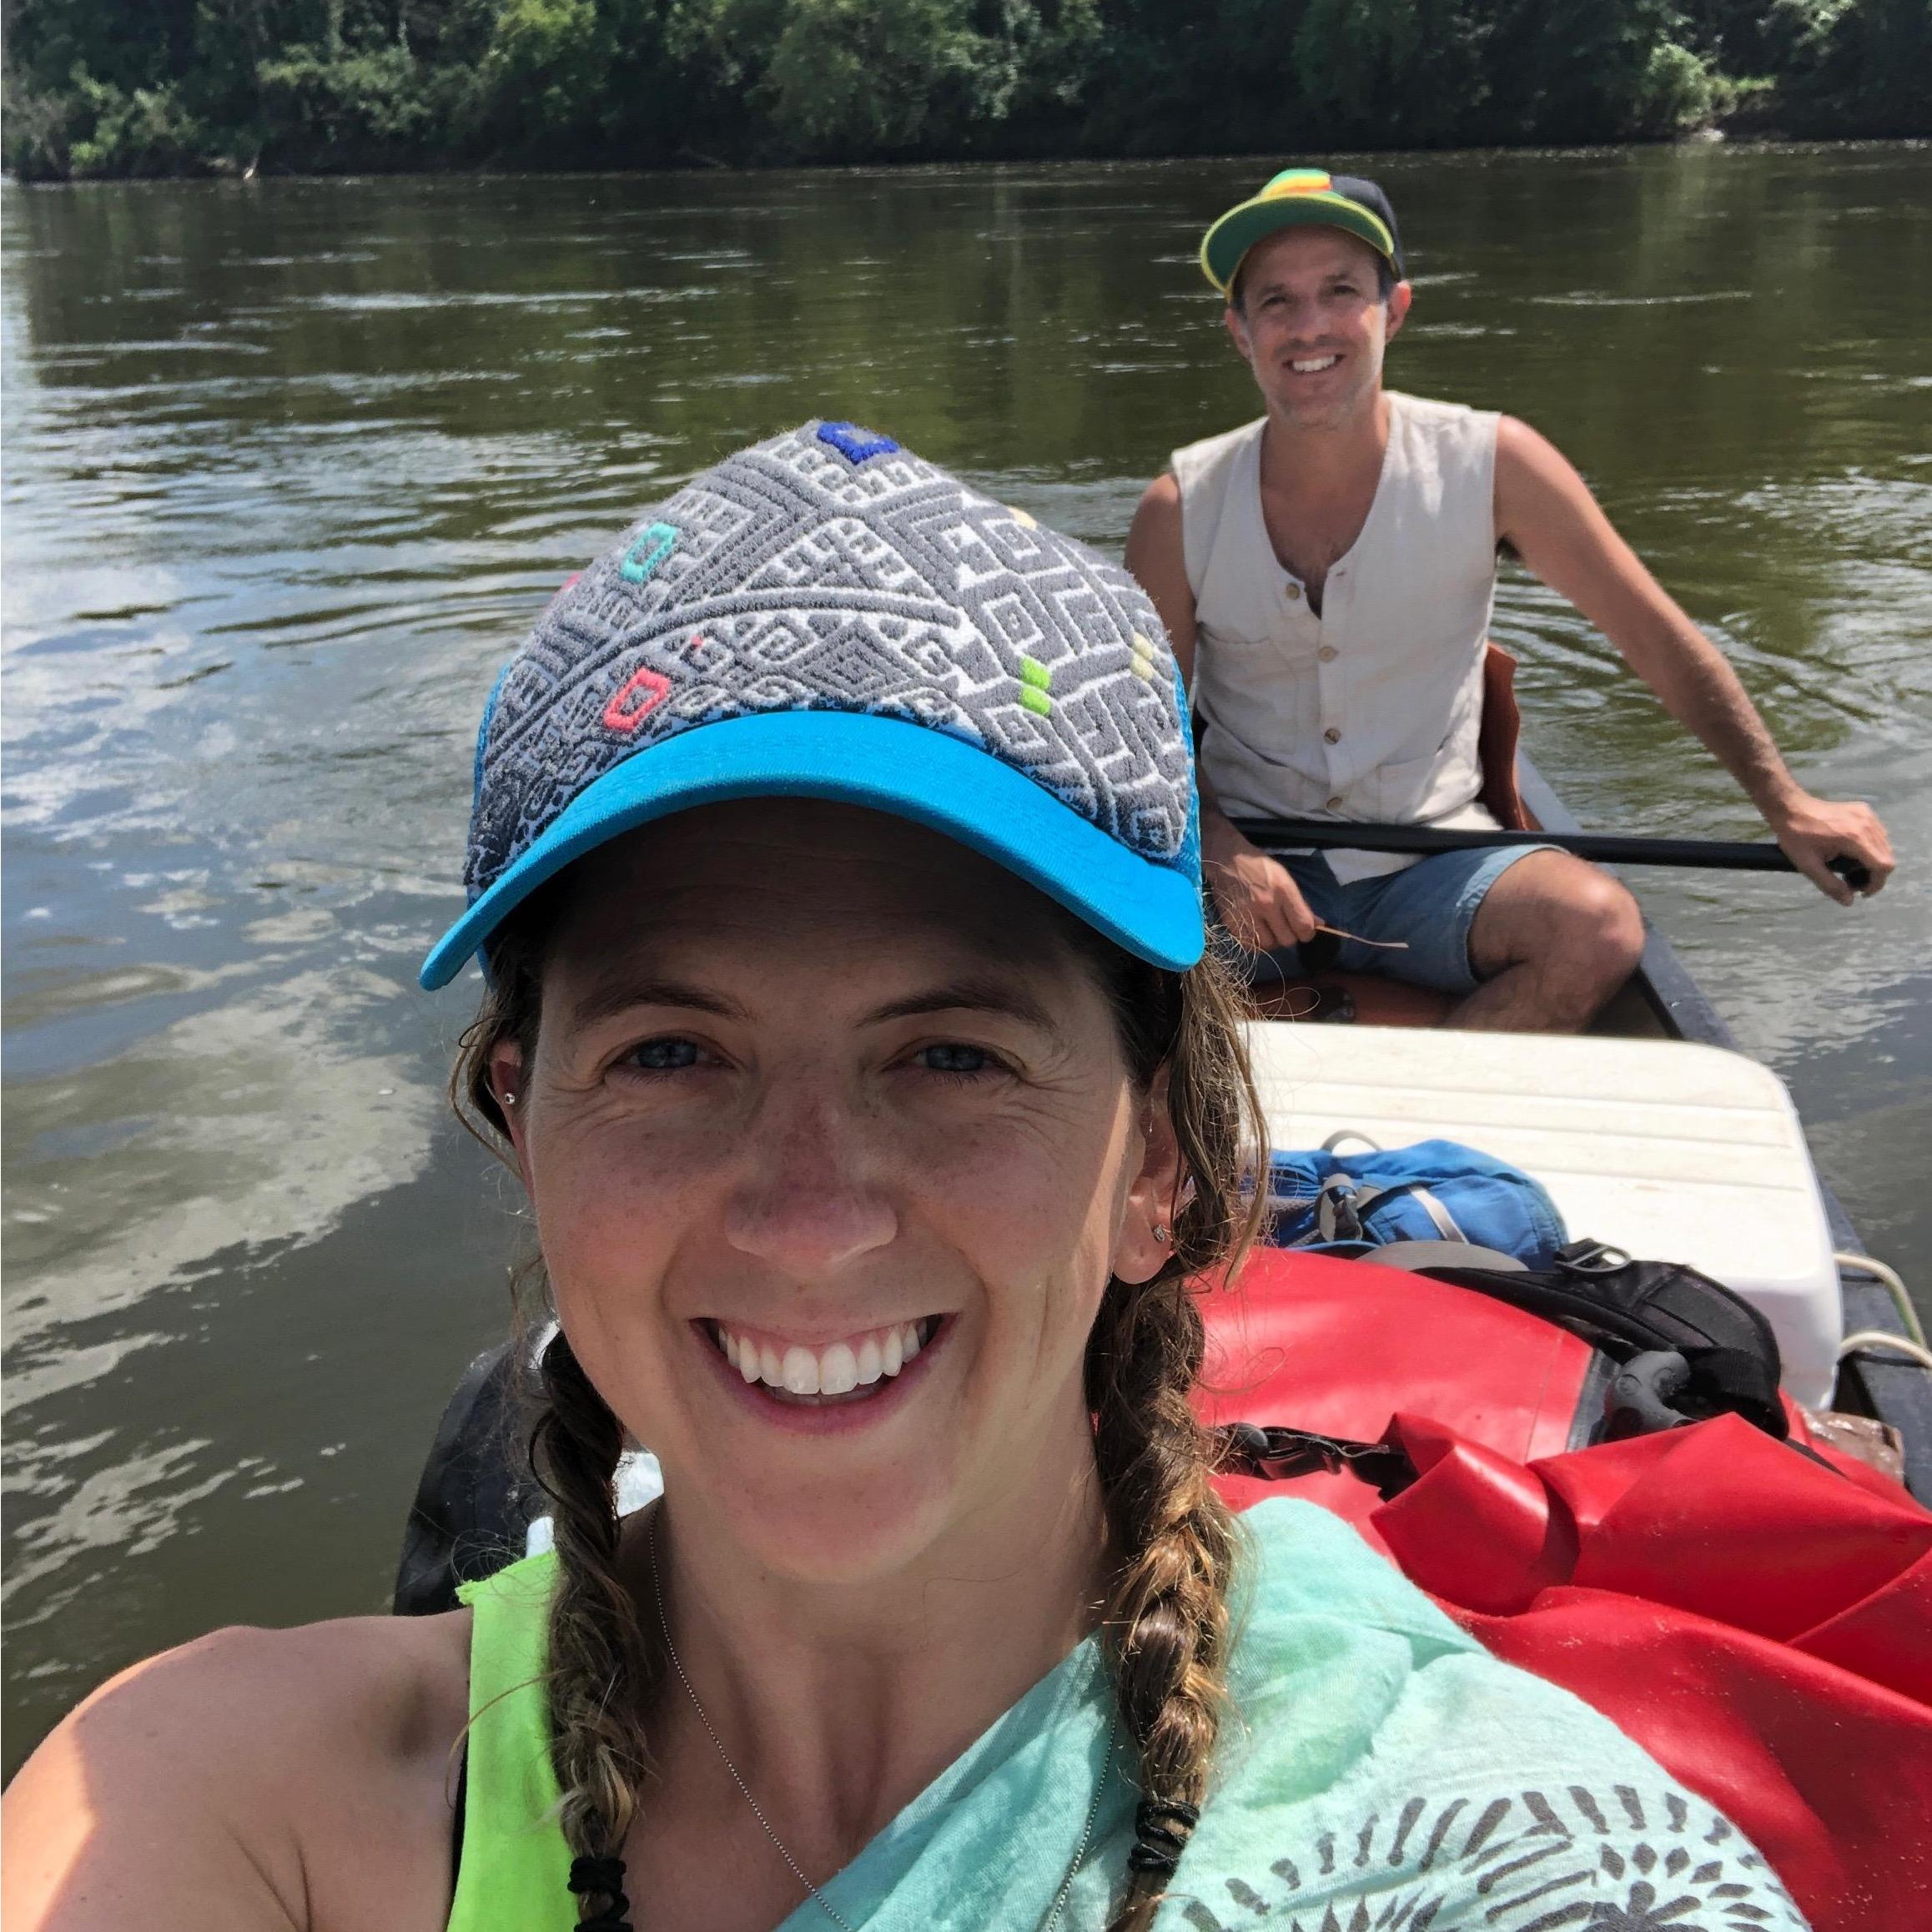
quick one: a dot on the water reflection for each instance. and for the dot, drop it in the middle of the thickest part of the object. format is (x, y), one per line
(290, 466)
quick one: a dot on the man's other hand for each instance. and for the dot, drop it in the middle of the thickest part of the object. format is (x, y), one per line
(1815, 830)
(1259, 901)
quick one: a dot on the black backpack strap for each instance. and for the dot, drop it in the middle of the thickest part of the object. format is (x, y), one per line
(1277, 1455)
(1631, 1308)
(1637, 1403)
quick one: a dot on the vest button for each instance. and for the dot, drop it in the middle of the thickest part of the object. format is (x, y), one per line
(1332, 735)
(1293, 592)
(1335, 803)
(1327, 654)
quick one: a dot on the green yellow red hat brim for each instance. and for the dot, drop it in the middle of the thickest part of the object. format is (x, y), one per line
(1234, 233)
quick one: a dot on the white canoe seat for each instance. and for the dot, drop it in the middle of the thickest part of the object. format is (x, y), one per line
(1673, 1151)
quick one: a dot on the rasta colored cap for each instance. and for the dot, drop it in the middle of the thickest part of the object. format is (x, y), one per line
(1295, 197)
(825, 616)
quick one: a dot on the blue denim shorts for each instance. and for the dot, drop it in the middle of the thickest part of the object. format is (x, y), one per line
(1431, 904)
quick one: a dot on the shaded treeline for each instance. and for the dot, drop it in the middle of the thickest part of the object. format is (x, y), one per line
(109, 87)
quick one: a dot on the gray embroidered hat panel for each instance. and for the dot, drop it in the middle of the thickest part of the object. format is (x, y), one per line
(829, 570)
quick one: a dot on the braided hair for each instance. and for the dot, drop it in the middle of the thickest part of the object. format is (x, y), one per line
(1165, 1627)
(598, 1675)
(602, 1668)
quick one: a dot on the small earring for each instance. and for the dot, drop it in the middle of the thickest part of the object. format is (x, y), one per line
(509, 1099)
(1163, 1233)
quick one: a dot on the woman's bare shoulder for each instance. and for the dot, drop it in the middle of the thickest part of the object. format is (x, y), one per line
(251, 1781)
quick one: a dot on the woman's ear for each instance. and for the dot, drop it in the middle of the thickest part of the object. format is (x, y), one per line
(1144, 1244)
(506, 1084)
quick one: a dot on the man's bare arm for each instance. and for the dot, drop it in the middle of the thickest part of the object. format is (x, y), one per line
(1258, 900)
(1545, 512)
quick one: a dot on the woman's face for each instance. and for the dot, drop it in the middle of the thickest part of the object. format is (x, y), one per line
(823, 1100)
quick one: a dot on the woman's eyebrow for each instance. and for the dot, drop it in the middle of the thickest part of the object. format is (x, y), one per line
(619, 996)
(971, 995)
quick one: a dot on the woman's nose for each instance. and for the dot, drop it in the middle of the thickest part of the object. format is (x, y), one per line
(811, 1203)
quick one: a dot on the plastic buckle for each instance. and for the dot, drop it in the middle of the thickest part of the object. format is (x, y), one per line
(1588, 1257)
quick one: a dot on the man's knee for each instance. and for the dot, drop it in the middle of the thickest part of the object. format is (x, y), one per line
(1600, 921)
(1551, 911)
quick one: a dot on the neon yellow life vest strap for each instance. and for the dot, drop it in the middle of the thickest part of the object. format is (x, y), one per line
(515, 1860)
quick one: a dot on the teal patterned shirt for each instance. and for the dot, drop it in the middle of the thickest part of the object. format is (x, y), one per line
(1378, 1772)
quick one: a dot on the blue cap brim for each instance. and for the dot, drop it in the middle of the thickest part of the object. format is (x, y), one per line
(912, 771)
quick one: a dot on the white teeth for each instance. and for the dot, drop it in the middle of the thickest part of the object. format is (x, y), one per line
(1313, 366)
(835, 1370)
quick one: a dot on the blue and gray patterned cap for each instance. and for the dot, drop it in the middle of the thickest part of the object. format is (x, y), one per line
(826, 615)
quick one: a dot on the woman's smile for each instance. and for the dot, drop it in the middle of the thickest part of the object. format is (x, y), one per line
(851, 1368)
(817, 1388)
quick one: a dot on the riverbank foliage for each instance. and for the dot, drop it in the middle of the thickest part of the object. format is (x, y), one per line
(168, 86)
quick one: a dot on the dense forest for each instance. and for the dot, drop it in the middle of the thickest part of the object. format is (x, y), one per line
(114, 87)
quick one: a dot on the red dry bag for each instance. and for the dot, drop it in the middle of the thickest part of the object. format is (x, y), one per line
(1757, 1615)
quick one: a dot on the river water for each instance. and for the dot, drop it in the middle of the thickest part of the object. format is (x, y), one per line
(290, 465)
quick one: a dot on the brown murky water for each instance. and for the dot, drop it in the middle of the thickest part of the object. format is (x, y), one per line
(289, 468)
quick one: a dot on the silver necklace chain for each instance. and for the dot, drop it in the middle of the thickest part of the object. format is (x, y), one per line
(1050, 1924)
(1065, 1892)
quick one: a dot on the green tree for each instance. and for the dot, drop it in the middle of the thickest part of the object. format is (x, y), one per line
(1857, 67)
(95, 87)
(1392, 71)
(1219, 77)
(546, 71)
(850, 77)
(1591, 70)
(320, 110)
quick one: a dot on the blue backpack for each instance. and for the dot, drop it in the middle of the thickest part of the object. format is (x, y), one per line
(1435, 1191)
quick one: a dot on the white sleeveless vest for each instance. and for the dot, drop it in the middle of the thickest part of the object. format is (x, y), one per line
(1370, 711)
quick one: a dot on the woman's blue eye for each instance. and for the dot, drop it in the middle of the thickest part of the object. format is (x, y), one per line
(950, 1057)
(664, 1056)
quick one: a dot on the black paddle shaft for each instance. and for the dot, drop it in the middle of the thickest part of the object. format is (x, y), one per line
(1608, 847)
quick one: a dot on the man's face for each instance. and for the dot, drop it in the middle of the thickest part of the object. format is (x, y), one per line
(1312, 325)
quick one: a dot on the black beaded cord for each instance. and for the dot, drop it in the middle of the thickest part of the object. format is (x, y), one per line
(1160, 1835)
(606, 1876)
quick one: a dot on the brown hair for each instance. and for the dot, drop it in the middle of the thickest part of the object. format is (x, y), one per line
(1165, 1623)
